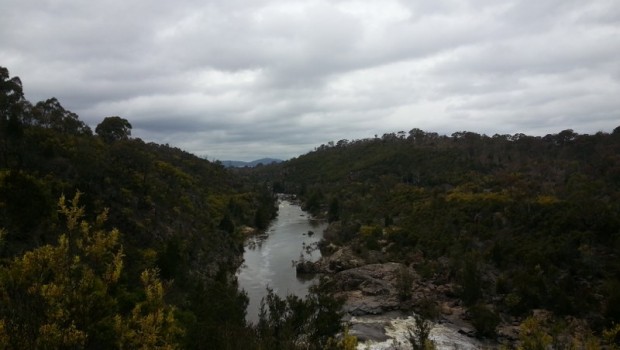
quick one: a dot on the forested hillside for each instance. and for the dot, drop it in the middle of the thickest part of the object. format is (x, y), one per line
(508, 223)
(111, 242)
(107, 241)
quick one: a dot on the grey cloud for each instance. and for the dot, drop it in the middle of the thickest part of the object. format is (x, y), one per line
(246, 79)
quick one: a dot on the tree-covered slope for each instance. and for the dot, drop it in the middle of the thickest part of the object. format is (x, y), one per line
(515, 222)
(144, 242)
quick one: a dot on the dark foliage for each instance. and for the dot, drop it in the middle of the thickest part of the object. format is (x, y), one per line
(178, 216)
(295, 323)
(525, 222)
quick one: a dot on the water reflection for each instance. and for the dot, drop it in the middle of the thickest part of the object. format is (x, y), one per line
(268, 257)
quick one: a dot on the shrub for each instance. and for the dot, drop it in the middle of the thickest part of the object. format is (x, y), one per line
(484, 320)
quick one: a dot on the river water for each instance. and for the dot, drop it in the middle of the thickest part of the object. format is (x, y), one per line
(268, 257)
(396, 329)
(268, 263)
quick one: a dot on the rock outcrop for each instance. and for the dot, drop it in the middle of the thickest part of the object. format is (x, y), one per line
(342, 259)
(370, 289)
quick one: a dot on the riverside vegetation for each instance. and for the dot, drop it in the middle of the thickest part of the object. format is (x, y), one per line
(519, 234)
(107, 241)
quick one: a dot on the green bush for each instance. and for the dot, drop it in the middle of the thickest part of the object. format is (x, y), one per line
(484, 320)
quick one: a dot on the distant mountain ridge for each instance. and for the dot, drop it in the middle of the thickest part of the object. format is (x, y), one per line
(241, 164)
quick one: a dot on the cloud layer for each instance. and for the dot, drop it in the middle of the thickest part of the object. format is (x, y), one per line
(246, 79)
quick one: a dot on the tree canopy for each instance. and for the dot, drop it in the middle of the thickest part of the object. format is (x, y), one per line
(137, 258)
(114, 129)
(145, 253)
(514, 221)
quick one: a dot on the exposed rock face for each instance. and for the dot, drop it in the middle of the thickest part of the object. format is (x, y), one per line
(306, 267)
(369, 331)
(373, 288)
(370, 289)
(342, 259)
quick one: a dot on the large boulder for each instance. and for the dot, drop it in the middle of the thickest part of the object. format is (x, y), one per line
(370, 289)
(374, 331)
(342, 259)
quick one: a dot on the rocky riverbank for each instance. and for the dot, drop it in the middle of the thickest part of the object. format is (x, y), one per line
(381, 296)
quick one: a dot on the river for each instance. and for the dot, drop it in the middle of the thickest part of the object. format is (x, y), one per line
(268, 261)
(395, 326)
(268, 257)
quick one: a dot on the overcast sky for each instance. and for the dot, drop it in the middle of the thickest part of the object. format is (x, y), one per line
(243, 79)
